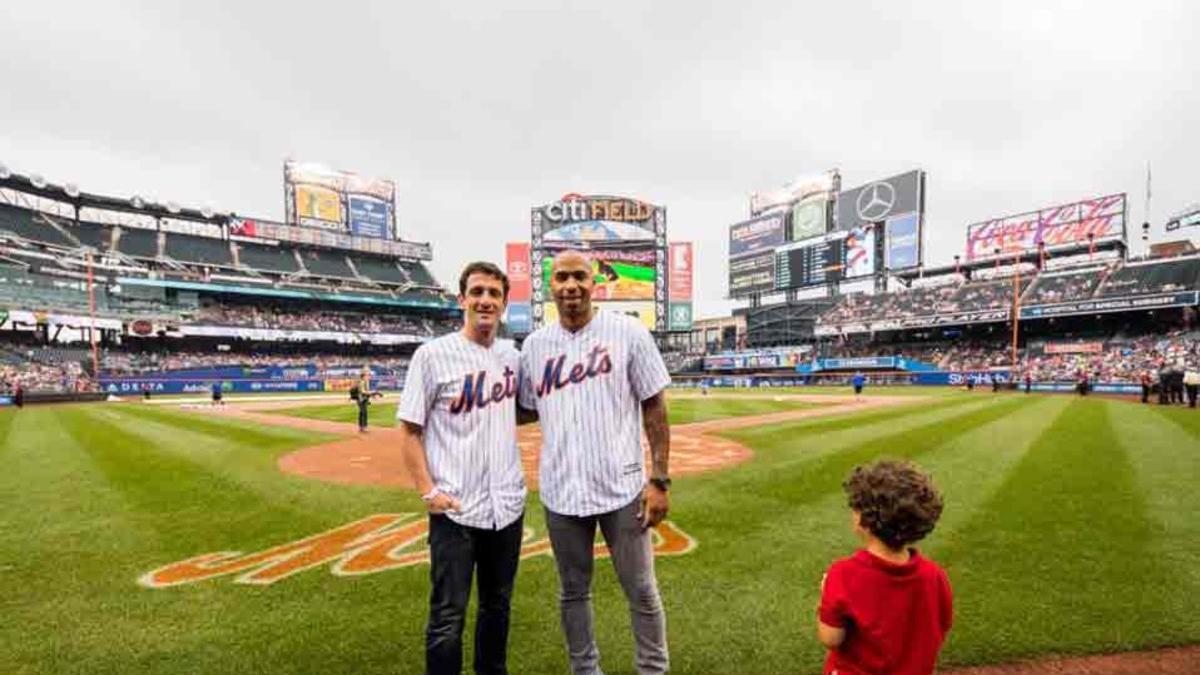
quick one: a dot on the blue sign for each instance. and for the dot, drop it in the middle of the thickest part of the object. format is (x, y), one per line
(520, 318)
(903, 242)
(369, 217)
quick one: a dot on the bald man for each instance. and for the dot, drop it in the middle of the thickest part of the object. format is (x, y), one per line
(596, 381)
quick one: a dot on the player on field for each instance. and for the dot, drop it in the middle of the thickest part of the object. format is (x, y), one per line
(596, 381)
(458, 419)
(858, 381)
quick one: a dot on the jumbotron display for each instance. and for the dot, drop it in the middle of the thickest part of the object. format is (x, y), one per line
(809, 263)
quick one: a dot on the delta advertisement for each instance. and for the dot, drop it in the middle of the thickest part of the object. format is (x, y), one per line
(1067, 226)
(339, 201)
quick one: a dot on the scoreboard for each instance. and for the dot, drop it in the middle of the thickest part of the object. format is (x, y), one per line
(809, 263)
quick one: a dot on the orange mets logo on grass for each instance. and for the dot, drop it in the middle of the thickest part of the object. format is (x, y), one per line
(378, 543)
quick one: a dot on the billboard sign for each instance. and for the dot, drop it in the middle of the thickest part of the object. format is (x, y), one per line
(369, 217)
(679, 280)
(1189, 218)
(810, 263)
(516, 263)
(882, 199)
(859, 255)
(1074, 225)
(339, 201)
(801, 188)
(810, 217)
(754, 236)
(903, 245)
(752, 274)
(627, 239)
(318, 206)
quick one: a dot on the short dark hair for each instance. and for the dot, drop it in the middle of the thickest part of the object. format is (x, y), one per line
(481, 267)
(895, 501)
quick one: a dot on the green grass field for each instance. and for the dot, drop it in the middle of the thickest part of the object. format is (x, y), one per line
(682, 410)
(1070, 527)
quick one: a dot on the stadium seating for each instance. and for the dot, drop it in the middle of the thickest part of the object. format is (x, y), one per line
(138, 243)
(97, 236)
(199, 250)
(418, 273)
(32, 227)
(326, 264)
(1070, 286)
(379, 269)
(1156, 277)
(267, 258)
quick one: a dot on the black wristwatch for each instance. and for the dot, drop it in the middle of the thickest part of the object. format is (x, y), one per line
(663, 484)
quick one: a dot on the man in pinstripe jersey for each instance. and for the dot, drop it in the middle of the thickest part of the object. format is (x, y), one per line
(596, 381)
(458, 414)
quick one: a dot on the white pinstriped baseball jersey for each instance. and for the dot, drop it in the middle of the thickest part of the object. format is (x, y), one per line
(587, 388)
(463, 395)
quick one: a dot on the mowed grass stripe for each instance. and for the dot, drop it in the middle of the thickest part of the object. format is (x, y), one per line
(166, 488)
(1165, 455)
(775, 534)
(239, 431)
(850, 419)
(1050, 562)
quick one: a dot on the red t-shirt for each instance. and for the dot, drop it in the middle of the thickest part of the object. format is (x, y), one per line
(895, 616)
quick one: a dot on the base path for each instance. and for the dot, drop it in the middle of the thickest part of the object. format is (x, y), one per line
(374, 458)
(1175, 661)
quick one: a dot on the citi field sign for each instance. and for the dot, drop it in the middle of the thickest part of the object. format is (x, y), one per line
(576, 207)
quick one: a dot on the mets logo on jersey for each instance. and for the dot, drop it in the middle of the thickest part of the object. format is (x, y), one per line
(598, 363)
(476, 395)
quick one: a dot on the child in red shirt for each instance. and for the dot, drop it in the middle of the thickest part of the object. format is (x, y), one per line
(886, 609)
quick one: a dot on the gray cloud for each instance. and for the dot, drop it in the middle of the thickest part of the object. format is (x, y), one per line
(479, 111)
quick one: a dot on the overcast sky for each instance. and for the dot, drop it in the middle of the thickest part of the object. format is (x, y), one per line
(479, 112)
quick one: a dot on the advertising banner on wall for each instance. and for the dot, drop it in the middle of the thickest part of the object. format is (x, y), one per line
(516, 261)
(903, 246)
(1068, 226)
(1189, 217)
(754, 236)
(877, 201)
(752, 274)
(369, 217)
(679, 285)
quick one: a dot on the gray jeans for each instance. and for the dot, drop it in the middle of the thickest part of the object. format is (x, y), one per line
(573, 539)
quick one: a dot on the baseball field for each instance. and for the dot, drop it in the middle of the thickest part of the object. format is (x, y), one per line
(141, 538)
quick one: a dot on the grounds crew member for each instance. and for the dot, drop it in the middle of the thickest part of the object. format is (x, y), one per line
(361, 393)
(597, 380)
(459, 424)
(1191, 381)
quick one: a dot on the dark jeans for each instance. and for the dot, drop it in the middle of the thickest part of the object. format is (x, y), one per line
(362, 412)
(1145, 393)
(456, 553)
(1193, 390)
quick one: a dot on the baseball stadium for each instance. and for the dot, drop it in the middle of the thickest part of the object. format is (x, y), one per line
(190, 489)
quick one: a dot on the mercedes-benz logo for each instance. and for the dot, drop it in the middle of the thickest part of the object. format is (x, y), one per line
(876, 201)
